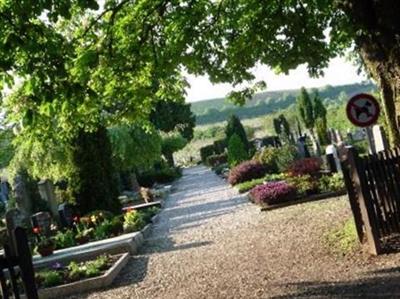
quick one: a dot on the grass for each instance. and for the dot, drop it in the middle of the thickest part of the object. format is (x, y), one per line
(343, 239)
(246, 186)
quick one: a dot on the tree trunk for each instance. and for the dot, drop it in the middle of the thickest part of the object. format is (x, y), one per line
(377, 28)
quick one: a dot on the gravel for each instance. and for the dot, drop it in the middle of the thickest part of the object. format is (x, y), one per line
(210, 242)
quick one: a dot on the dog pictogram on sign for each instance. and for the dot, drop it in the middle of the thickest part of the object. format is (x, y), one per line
(363, 110)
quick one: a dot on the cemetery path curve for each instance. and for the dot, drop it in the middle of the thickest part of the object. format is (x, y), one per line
(210, 242)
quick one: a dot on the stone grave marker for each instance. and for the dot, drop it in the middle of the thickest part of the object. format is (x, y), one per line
(21, 195)
(333, 158)
(46, 190)
(42, 220)
(302, 147)
(14, 218)
(379, 138)
(66, 214)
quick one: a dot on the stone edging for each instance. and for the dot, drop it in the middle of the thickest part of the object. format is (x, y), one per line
(85, 285)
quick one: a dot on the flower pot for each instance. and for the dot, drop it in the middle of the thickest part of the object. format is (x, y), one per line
(82, 240)
(46, 251)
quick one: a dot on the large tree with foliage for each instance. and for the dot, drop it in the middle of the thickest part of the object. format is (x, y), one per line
(81, 61)
(174, 116)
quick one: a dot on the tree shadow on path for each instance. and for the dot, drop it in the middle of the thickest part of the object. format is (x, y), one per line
(383, 283)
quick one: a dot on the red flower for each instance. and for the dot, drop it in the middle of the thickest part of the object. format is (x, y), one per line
(76, 219)
(36, 230)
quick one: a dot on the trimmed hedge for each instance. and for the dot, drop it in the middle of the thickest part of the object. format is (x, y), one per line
(161, 176)
(206, 151)
(246, 171)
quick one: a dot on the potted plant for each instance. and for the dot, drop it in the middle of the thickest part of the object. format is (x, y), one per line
(45, 246)
(83, 236)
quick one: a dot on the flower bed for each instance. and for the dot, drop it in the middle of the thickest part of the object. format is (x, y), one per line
(94, 227)
(64, 280)
(272, 193)
(294, 189)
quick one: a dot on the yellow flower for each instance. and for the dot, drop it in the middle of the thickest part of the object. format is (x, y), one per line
(93, 218)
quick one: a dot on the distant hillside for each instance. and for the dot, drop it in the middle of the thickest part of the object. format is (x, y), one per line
(217, 110)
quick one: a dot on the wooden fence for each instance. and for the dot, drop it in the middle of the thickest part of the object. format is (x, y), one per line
(16, 268)
(373, 185)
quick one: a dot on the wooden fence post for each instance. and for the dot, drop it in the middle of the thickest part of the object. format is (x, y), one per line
(355, 207)
(25, 263)
(357, 175)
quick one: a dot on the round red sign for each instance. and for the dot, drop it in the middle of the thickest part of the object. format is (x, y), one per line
(363, 110)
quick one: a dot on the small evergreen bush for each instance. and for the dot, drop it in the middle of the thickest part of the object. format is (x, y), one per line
(237, 152)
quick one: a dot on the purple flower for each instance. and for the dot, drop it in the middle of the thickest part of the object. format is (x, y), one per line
(246, 171)
(57, 266)
(273, 192)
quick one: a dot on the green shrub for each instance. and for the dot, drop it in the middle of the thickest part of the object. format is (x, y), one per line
(331, 183)
(220, 168)
(161, 176)
(215, 160)
(149, 213)
(64, 239)
(49, 278)
(95, 184)
(285, 156)
(304, 184)
(133, 221)
(220, 146)
(93, 268)
(234, 126)
(206, 151)
(246, 186)
(103, 230)
(268, 157)
(237, 152)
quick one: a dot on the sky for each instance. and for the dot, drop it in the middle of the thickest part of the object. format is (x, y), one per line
(339, 72)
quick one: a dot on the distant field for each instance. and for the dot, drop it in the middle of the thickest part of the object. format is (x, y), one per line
(216, 110)
(257, 115)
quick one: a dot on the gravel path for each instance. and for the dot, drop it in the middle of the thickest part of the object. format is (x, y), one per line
(210, 242)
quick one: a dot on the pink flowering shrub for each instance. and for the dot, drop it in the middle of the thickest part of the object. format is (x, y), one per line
(272, 192)
(246, 171)
(305, 166)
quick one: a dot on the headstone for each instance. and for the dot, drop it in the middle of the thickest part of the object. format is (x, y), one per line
(379, 137)
(14, 218)
(370, 139)
(46, 190)
(66, 214)
(333, 158)
(338, 135)
(21, 195)
(4, 190)
(42, 220)
(302, 147)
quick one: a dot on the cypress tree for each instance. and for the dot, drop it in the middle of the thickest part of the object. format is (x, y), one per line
(234, 126)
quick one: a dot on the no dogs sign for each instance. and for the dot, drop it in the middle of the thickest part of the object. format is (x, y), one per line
(363, 110)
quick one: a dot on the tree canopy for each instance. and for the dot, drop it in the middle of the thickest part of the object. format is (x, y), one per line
(79, 63)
